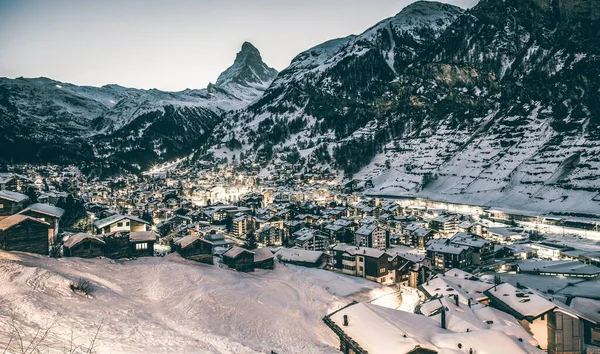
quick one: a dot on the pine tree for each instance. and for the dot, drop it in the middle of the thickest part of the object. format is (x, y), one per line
(251, 241)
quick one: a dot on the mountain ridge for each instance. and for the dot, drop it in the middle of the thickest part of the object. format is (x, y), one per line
(42, 119)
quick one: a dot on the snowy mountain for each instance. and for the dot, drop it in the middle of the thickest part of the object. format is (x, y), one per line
(497, 105)
(46, 120)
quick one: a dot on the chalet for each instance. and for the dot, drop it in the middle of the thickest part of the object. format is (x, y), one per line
(8, 181)
(142, 243)
(223, 211)
(121, 223)
(369, 263)
(445, 225)
(48, 213)
(253, 201)
(529, 308)
(301, 257)
(84, 246)
(505, 235)
(310, 239)
(242, 225)
(239, 259)
(11, 202)
(482, 251)
(194, 248)
(445, 255)
(421, 236)
(218, 240)
(517, 251)
(23, 233)
(371, 236)
(263, 258)
(173, 223)
(269, 235)
(410, 268)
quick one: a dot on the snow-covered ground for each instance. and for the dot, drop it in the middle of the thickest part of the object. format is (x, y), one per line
(171, 305)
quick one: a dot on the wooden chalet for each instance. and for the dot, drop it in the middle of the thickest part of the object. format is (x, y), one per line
(264, 258)
(142, 243)
(24, 233)
(301, 257)
(48, 213)
(195, 248)
(11, 202)
(121, 223)
(239, 259)
(84, 246)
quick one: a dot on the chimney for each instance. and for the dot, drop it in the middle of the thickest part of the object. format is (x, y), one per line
(443, 317)
(456, 300)
(469, 302)
(345, 320)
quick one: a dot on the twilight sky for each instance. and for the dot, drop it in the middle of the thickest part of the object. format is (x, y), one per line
(170, 45)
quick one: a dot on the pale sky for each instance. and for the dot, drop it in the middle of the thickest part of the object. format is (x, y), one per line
(172, 44)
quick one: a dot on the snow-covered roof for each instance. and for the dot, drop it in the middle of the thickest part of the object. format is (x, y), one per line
(262, 254)
(46, 209)
(16, 219)
(236, 252)
(468, 239)
(116, 218)
(457, 282)
(504, 231)
(560, 267)
(521, 303)
(445, 218)
(362, 251)
(142, 236)
(444, 246)
(589, 307)
(366, 230)
(78, 238)
(378, 329)
(298, 255)
(186, 241)
(13, 196)
(422, 232)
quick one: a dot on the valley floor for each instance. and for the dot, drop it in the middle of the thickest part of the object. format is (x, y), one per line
(171, 305)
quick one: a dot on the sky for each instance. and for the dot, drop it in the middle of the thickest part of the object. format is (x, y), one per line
(172, 44)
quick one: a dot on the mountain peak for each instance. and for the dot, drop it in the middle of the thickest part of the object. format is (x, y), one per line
(248, 69)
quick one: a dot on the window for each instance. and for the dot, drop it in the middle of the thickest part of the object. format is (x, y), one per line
(381, 270)
(1, 206)
(141, 246)
(360, 269)
(361, 259)
(119, 224)
(127, 223)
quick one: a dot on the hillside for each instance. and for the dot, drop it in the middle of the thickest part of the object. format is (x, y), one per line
(497, 105)
(156, 305)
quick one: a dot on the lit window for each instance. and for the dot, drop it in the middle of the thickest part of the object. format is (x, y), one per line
(141, 246)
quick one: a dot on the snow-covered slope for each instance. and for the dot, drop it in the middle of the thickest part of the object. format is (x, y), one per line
(156, 305)
(41, 119)
(497, 105)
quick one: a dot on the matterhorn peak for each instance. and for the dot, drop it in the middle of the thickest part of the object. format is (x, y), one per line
(248, 69)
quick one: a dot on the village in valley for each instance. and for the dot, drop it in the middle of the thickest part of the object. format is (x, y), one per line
(455, 278)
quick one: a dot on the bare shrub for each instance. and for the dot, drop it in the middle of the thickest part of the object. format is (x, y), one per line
(83, 285)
